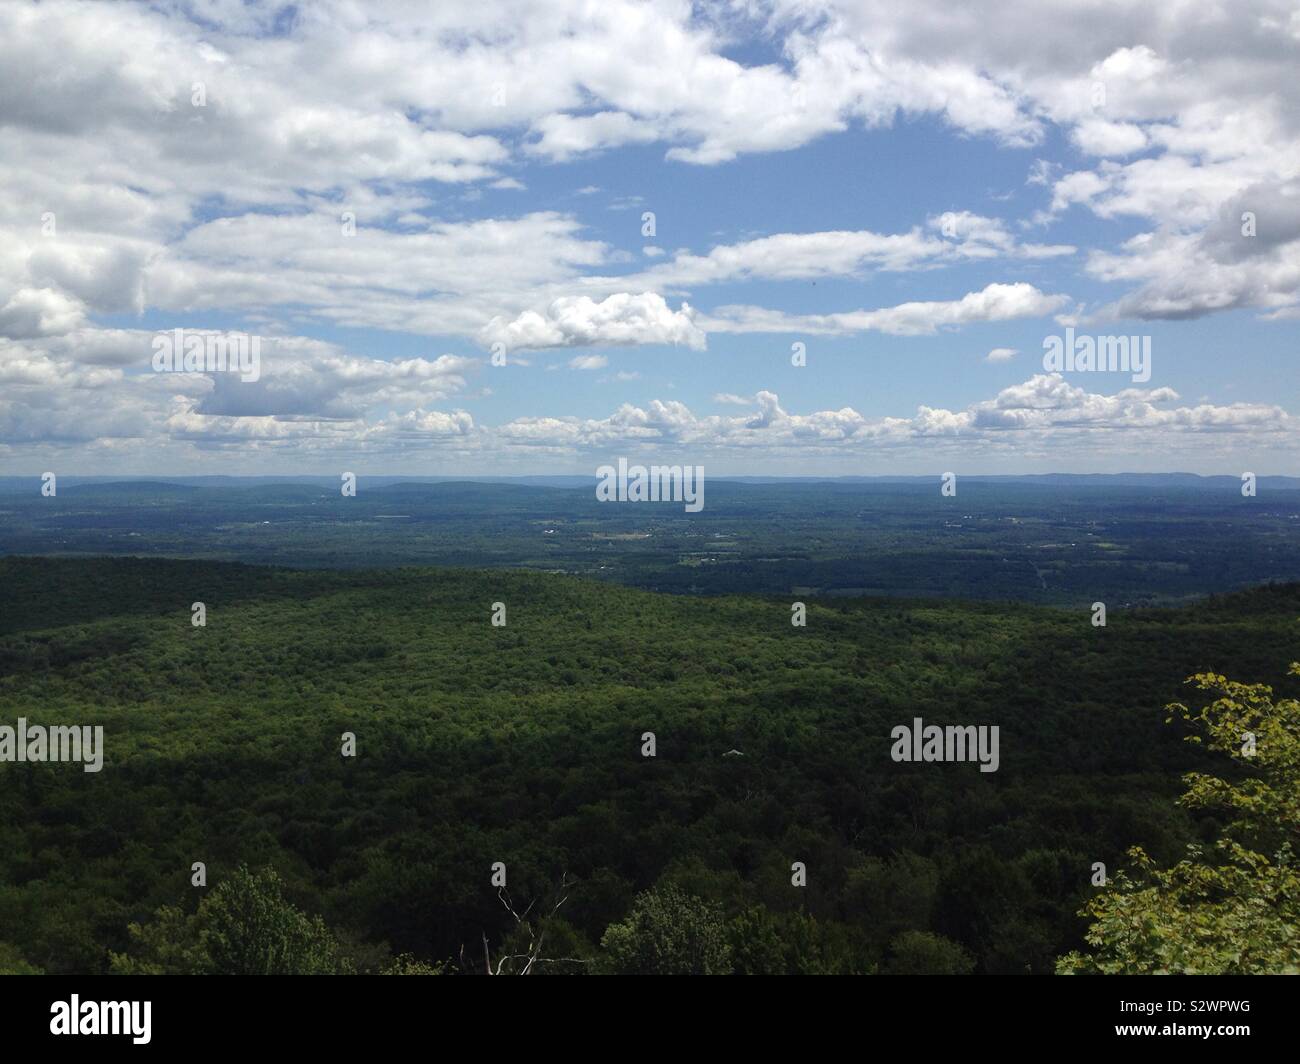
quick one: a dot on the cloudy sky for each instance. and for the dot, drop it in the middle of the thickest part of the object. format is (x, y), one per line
(649, 212)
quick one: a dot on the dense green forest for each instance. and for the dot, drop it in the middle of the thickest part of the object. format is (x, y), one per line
(523, 744)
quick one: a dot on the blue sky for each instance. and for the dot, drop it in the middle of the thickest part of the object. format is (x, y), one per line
(905, 193)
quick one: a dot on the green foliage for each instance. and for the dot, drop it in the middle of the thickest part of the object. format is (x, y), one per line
(406, 964)
(545, 946)
(767, 943)
(900, 892)
(1234, 907)
(668, 932)
(169, 945)
(245, 926)
(12, 962)
(924, 953)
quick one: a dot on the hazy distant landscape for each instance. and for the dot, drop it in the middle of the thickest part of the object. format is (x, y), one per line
(1053, 540)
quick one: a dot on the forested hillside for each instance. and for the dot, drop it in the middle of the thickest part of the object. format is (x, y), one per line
(523, 744)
